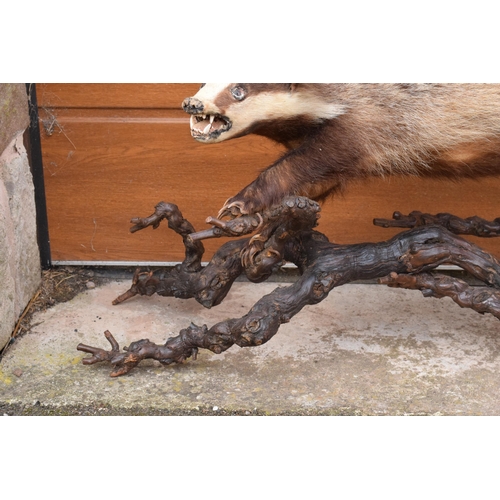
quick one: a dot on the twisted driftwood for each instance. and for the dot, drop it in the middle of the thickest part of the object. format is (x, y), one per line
(285, 234)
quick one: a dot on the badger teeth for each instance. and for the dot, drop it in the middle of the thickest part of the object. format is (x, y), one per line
(206, 130)
(208, 126)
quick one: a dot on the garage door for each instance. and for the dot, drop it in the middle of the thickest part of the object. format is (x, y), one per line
(113, 151)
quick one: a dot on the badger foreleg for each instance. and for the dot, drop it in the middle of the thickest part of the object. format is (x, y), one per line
(300, 172)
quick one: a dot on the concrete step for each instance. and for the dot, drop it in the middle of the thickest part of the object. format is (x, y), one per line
(365, 350)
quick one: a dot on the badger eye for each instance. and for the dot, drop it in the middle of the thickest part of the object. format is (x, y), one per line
(238, 93)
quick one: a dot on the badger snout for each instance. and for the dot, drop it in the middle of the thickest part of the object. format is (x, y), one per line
(207, 125)
(192, 105)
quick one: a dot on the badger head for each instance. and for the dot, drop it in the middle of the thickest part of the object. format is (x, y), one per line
(221, 111)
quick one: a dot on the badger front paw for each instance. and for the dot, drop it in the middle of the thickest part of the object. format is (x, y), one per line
(241, 204)
(232, 209)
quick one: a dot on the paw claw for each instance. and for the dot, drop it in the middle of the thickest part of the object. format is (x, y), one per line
(257, 238)
(232, 209)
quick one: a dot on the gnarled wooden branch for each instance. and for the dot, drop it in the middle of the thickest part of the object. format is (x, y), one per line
(286, 235)
(475, 226)
(479, 298)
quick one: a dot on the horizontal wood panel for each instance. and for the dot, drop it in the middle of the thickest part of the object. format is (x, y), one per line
(112, 95)
(349, 218)
(103, 168)
(100, 175)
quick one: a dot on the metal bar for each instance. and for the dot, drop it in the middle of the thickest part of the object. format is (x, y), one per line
(128, 263)
(34, 149)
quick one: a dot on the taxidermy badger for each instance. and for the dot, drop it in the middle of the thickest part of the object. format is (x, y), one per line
(338, 132)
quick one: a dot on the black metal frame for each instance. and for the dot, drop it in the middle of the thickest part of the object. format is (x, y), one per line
(34, 148)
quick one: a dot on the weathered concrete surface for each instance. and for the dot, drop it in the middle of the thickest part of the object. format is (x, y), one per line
(366, 349)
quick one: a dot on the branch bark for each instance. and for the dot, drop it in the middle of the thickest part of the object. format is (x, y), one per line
(474, 226)
(480, 299)
(286, 234)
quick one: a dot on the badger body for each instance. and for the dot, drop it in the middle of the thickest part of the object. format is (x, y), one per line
(338, 132)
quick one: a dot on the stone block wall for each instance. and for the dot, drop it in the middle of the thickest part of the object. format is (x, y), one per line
(20, 272)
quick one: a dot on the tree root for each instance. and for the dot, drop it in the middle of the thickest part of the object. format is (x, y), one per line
(286, 235)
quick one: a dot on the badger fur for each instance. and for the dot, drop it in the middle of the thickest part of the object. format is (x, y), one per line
(338, 132)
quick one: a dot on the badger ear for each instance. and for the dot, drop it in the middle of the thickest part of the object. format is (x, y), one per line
(292, 87)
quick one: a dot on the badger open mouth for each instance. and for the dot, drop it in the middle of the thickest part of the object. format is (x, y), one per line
(205, 127)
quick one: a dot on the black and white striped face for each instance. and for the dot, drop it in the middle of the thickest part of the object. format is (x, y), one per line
(221, 111)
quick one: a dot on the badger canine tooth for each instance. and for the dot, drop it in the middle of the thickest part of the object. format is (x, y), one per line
(205, 126)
